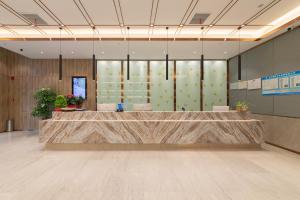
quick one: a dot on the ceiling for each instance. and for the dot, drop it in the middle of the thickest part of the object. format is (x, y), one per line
(106, 22)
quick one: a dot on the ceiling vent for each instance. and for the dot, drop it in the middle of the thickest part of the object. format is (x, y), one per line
(199, 18)
(35, 19)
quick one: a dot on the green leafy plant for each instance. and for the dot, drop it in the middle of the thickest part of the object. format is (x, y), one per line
(71, 100)
(60, 101)
(79, 101)
(241, 106)
(45, 98)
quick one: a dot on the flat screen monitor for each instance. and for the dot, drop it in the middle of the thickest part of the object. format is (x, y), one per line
(79, 86)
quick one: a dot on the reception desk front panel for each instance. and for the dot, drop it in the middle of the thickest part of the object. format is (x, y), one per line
(151, 128)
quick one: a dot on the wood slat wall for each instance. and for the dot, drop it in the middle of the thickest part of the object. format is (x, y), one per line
(30, 75)
(4, 78)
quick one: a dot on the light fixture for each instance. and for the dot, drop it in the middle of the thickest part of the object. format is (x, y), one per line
(181, 25)
(202, 54)
(94, 57)
(128, 56)
(60, 56)
(42, 52)
(151, 25)
(239, 57)
(167, 55)
(243, 25)
(72, 52)
(210, 25)
(121, 25)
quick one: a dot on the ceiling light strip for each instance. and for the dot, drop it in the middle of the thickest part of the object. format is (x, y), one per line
(84, 12)
(186, 11)
(49, 12)
(150, 20)
(190, 12)
(14, 12)
(223, 12)
(156, 11)
(121, 13)
(261, 12)
(185, 18)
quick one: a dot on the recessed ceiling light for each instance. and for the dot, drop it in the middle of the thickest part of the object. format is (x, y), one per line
(210, 25)
(62, 25)
(225, 52)
(121, 25)
(181, 25)
(72, 52)
(102, 52)
(32, 25)
(151, 25)
(42, 52)
(133, 52)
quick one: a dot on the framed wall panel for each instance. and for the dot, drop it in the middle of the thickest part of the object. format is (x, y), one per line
(214, 84)
(162, 90)
(188, 85)
(135, 89)
(109, 82)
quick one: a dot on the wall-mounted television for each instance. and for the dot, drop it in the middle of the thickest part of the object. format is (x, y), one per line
(79, 86)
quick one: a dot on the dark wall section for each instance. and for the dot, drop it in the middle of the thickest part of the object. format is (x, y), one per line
(279, 55)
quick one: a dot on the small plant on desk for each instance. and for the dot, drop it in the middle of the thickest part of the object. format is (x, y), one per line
(241, 106)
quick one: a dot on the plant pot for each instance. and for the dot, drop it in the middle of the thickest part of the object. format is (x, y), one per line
(238, 108)
(71, 106)
(79, 105)
(57, 109)
(244, 109)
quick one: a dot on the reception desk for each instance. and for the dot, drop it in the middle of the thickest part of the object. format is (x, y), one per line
(180, 128)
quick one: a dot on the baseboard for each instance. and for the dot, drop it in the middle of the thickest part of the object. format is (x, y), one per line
(281, 147)
(151, 147)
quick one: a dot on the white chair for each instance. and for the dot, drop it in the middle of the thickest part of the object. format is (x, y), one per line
(106, 107)
(142, 107)
(220, 108)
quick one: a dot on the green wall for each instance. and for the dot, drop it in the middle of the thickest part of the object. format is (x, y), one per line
(188, 84)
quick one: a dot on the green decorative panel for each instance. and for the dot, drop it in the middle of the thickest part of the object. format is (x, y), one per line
(108, 81)
(188, 85)
(135, 89)
(215, 84)
(162, 90)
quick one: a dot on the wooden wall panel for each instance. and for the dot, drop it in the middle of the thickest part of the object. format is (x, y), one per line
(4, 79)
(16, 99)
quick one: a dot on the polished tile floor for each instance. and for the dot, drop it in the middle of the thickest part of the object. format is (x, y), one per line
(28, 172)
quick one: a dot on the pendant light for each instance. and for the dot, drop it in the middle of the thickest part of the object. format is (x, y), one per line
(239, 56)
(128, 56)
(60, 56)
(94, 57)
(167, 55)
(202, 55)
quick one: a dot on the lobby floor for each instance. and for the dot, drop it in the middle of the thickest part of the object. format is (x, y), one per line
(28, 172)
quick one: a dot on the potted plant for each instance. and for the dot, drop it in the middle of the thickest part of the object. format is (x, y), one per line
(241, 106)
(45, 98)
(60, 102)
(238, 106)
(244, 107)
(71, 101)
(79, 101)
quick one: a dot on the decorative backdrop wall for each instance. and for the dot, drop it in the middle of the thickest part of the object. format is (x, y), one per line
(148, 84)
